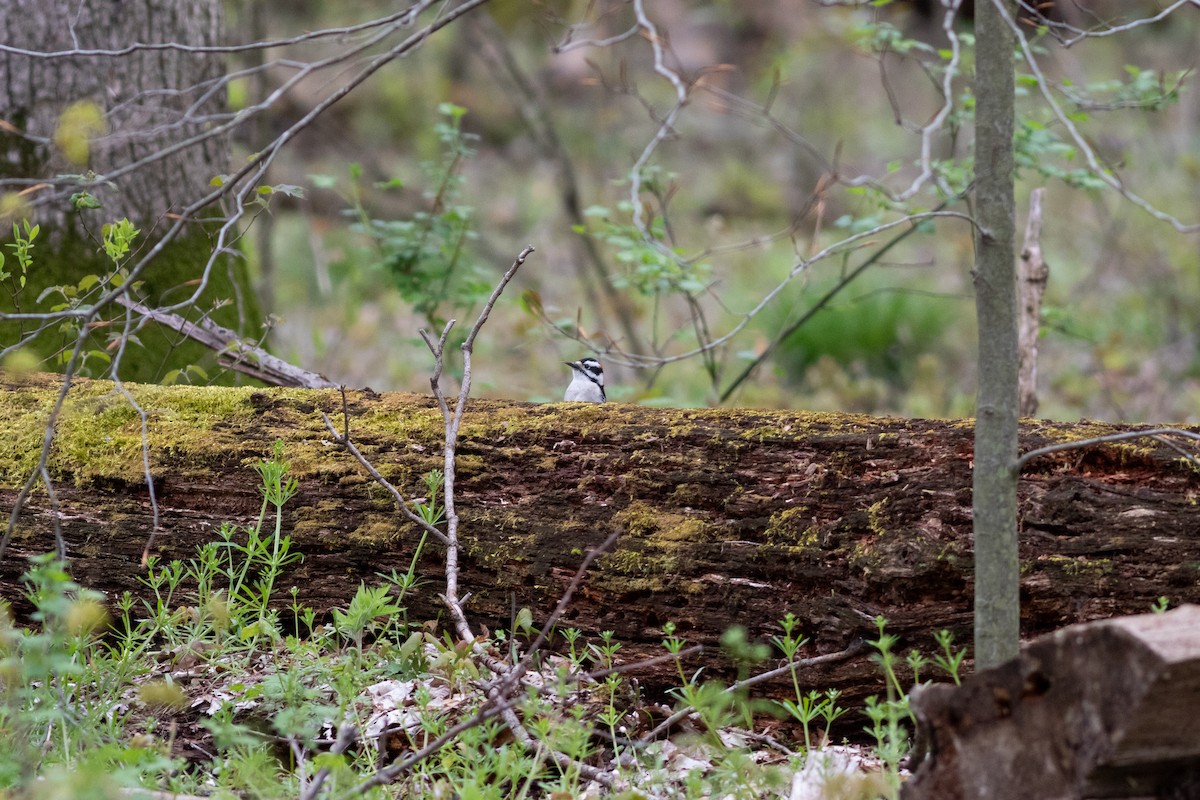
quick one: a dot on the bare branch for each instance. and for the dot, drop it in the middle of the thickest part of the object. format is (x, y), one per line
(452, 421)
(144, 418)
(934, 126)
(569, 45)
(667, 127)
(233, 351)
(405, 17)
(346, 736)
(44, 456)
(510, 679)
(1107, 30)
(389, 773)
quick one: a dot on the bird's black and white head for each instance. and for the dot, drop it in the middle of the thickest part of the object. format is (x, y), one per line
(587, 381)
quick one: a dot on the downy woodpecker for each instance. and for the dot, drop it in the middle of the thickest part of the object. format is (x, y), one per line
(587, 381)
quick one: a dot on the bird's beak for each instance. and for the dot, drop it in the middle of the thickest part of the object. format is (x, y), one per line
(571, 363)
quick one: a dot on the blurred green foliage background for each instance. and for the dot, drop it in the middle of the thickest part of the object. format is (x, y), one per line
(451, 160)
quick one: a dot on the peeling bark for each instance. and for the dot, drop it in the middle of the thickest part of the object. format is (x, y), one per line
(728, 516)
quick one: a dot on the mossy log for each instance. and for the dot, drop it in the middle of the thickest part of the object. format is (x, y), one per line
(726, 516)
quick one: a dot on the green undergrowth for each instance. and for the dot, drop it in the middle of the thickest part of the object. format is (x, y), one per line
(216, 681)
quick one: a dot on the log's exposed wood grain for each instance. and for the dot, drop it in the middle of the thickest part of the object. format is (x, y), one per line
(1104, 709)
(728, 517)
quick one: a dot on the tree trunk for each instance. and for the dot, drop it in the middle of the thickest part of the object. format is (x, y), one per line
(727, 517)
(1033, 275)
(997, 602)
(88, 115)
(127, 89)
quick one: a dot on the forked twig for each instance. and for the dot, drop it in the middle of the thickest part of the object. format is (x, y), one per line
(453, 421)
(402, 502)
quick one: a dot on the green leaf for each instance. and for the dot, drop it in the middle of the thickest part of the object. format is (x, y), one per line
(410, 646)
(450, 110)
(84, 200)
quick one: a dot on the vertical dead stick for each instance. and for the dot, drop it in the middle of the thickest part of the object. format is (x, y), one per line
(1031, 285)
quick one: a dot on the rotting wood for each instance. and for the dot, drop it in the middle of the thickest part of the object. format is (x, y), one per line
(728, 517)
(1103, 709)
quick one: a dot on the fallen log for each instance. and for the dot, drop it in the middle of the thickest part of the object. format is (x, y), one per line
(727, 516)
(1103, 709)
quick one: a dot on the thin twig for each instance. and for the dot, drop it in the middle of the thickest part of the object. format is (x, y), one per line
(60, 544)
(401, 501)
(510, 679)
(635, 666)
(1182, 452)
(145, 431)
(783, 335)
(1112, 437)
(841, 655)
(347, 734)
(47, 441)
(453, 422)
(389, 773)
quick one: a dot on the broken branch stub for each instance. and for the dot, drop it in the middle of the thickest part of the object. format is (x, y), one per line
(1103, 709)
